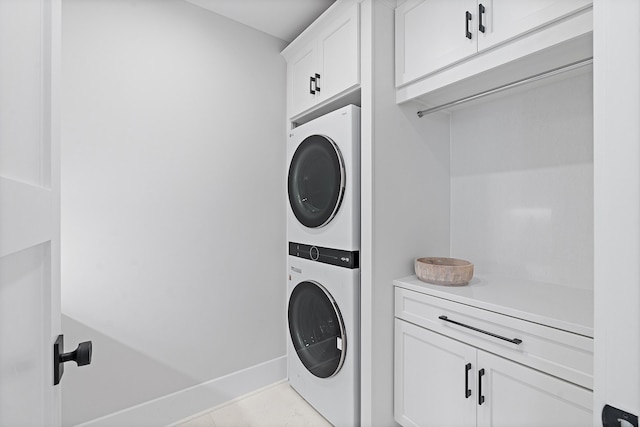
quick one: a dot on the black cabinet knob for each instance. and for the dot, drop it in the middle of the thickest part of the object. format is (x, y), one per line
(81, 355)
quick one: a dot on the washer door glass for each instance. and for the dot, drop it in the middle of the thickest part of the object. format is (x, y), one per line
(316, 329)
(316, 181)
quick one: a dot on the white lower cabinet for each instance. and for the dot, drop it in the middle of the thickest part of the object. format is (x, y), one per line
(432, 373)
(440, 381)
(516, 395)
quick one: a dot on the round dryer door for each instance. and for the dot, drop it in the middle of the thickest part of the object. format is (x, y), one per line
(316, 181)
(316, 329)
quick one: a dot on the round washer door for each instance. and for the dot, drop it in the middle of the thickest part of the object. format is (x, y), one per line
(316, 329)
(316, 181)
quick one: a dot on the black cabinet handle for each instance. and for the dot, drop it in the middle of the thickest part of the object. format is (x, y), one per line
(480, 396)
(515, 341)
(81, 355)
(467, 19)
(481, 11)
(312, 82)
(317, 80)
(467, 391)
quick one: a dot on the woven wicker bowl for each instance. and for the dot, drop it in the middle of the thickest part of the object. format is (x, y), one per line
(444, 271)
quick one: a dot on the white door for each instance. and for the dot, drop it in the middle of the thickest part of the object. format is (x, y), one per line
(434, 379)
(518, 396)
(431, 34)
(302, 69)
(340, 53)
(29, 211)
(506, 19)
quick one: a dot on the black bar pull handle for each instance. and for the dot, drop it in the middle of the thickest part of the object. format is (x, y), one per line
(317, 80)
(481, 10)
(467, 19)
(480, 396)
(467, 391)
(312, 82)
(515, 341)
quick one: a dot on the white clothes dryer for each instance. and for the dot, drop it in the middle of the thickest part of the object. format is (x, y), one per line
(323, 157)
(323, 349)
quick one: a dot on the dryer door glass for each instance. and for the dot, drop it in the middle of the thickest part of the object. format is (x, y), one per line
(316, 181)
(316, 329)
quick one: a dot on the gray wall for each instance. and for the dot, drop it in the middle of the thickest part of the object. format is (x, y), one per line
(173, 222)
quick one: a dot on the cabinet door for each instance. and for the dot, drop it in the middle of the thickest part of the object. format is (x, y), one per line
(301, 69)
(431, 34)
(430, 373)
(506, 19)
(339, 48)
(518, 396)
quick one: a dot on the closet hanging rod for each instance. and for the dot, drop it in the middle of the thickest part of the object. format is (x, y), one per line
(526, 80)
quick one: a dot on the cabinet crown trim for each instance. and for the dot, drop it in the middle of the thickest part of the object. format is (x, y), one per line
(317, 26)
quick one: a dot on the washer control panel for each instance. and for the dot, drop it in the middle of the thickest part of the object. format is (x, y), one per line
(346, 259)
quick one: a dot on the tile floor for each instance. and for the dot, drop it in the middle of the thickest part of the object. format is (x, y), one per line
(274, 406)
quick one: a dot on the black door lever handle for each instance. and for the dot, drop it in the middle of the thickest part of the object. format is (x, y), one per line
(81, 355)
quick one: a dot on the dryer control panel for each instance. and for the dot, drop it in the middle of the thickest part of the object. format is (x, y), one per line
(341, 258)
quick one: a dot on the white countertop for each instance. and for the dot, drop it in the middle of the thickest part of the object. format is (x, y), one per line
(557, 306)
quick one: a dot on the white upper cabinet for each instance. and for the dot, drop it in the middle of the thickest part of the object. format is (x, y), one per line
(434, 34)
(302, 70)
(339, 55)
(431, 34)
(323, 62)
(506, 19)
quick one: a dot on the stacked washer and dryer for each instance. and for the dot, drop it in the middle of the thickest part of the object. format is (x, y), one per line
(323, 288)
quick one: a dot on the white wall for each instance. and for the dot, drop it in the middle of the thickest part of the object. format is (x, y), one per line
(522, 183)
(405, 203)
(173, 221)
(617, 206)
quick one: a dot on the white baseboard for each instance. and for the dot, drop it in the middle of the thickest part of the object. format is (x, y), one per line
(183, 404)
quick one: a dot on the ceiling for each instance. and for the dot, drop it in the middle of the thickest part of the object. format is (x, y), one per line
(284, 19)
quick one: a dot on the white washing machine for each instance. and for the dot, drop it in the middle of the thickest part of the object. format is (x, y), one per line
(324, 333)
(323, 157)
